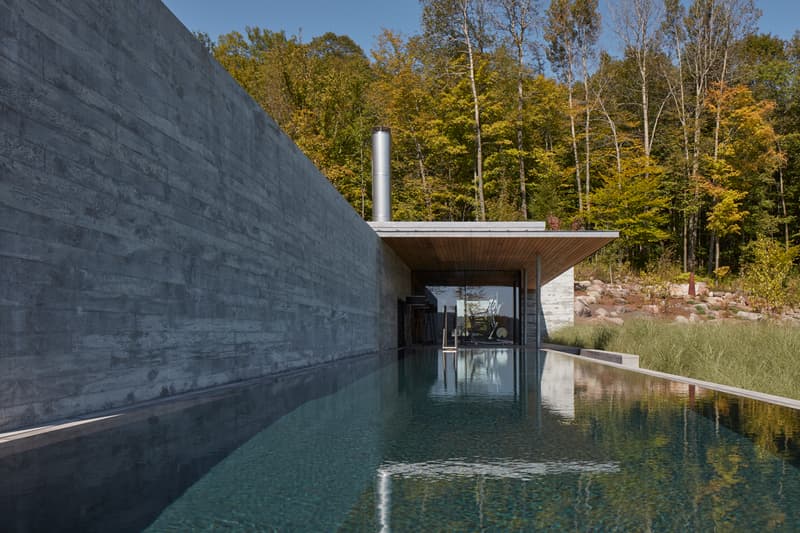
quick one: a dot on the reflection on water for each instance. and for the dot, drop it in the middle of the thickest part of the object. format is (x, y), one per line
(557, 386)
(489, 372)
(501, 439)
(121, 478)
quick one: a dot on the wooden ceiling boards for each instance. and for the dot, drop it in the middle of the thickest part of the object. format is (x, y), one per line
(448, 246)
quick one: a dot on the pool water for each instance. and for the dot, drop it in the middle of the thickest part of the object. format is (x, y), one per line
(503, 439)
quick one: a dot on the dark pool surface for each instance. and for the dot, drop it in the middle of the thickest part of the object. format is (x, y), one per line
(492, 439)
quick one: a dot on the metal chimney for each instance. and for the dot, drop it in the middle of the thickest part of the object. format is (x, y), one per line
(381, 174)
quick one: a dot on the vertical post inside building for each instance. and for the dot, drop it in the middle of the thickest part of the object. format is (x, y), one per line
(523, 307)
(381, 174)
(538, 302)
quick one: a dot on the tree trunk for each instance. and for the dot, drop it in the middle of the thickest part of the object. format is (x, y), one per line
(716, 253)
(477, 112)
(586, 147)
(520, 137)
(685, 248)
(694, 208)
(586, 127)
(718, 117)
(783, 204)
(613, 127)
(423, 175)
(574, 142)
(645, 112)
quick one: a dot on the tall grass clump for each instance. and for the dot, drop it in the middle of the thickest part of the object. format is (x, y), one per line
(762, 356)
(586, 336)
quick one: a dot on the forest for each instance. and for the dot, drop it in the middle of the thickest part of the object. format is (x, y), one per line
(686, 140)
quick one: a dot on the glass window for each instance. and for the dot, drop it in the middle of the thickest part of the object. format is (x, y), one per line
(482, 307)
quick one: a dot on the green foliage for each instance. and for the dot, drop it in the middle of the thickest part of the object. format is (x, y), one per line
(724, 161)
(632, 202)
(766, 272)
(725, 215)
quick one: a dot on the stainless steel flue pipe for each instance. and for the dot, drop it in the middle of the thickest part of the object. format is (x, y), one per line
(381, 174)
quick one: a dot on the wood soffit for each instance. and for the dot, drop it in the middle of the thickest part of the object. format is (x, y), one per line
(449, 246)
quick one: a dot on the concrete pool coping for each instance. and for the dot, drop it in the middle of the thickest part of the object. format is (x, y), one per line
(728, 389)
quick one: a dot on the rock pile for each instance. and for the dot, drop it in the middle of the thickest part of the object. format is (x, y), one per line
(599, 302)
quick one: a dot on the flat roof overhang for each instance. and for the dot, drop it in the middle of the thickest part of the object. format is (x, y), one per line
(453, 246)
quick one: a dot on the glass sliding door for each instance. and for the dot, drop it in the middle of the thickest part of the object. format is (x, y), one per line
(480, 307)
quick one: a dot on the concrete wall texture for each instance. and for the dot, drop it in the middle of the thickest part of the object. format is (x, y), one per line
(557, 309)
(158, 232)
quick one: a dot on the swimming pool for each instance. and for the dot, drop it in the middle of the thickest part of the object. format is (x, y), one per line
(493, 439)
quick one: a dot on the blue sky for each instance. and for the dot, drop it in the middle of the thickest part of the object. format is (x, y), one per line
(363, 20)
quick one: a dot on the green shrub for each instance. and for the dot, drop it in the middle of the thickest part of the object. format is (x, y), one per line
(766, 273)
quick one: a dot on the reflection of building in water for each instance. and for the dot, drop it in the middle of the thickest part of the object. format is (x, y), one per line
(483, 372)
(558, 385)
(497, 373)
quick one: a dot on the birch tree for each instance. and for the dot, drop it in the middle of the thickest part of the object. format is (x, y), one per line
(456, 19)
(517, 18)
(637, 24)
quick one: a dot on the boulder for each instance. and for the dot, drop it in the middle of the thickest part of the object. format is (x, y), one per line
(720, 294)
(747, 315)
(681, 290)
(587, 299)
(614, 320)
(582, 308)
(681, 319)
(618, 292)
(694, 317)
(602, 313)
(582, 285)
(594, 293)
(652, 309)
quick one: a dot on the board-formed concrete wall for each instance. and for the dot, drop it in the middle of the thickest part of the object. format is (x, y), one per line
(158, 232)
(557, 309)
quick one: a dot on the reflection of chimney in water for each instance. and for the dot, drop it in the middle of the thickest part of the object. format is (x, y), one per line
(381, 174)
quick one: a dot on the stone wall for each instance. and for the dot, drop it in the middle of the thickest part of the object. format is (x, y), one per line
(557, 309)
(158, 232)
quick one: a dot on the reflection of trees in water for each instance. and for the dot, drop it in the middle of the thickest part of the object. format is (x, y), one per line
(773, 428)
(680, 468)
(673, 448)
